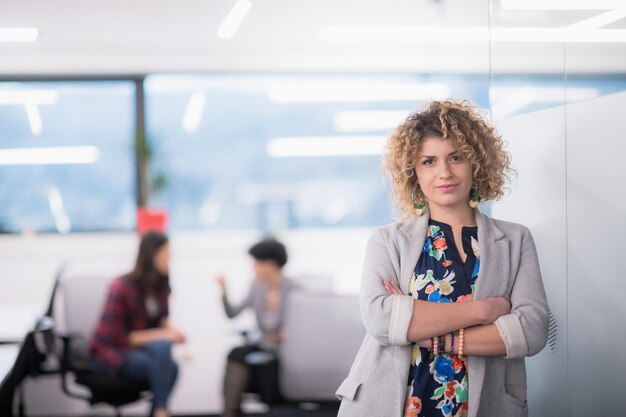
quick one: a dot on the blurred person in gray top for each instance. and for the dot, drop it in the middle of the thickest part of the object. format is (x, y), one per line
(254, 366)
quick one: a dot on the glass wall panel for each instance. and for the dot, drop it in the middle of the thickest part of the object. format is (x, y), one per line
(596, 209)
(527, 105)
(558, 96)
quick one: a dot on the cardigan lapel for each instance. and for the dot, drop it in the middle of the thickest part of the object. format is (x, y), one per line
(494, 259)
(411, 243)
(492, 281)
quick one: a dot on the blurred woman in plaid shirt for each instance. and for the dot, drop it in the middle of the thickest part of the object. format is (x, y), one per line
(134, 337)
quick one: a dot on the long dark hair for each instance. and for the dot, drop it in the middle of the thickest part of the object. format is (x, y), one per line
(149, 280)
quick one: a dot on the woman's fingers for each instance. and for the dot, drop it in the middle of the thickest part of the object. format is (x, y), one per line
(396, 289)
(391, 287)
(387, 286)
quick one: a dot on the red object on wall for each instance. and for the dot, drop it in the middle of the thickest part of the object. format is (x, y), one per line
(148, 219)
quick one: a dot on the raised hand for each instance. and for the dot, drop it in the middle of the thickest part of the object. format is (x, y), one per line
(221, 281)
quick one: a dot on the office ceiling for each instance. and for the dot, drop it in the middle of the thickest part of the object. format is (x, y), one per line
(140, 36)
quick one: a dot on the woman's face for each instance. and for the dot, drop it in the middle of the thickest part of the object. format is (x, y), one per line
(443, 175)
(162, 259)
(265, 269)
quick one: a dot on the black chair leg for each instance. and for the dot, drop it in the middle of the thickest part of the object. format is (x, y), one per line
(21, 408)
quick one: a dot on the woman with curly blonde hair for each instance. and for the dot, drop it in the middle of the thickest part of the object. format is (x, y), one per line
(452, 300)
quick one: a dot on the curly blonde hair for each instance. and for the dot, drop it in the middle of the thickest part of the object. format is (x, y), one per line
(469, 132)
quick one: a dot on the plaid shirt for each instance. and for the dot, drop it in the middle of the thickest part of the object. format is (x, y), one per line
(124, 311)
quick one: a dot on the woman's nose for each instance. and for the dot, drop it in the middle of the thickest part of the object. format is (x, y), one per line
(444, 171)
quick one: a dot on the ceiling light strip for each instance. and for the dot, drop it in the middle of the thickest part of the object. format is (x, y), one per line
(470, 34)
(561, 4)
(19, 34)
(50, 155)
(232, 22)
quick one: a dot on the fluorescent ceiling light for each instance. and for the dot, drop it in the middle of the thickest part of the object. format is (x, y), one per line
(561, 4)
(343, 92)
(326, 146)
(233, 20)
(402, 34)
(50, 156)
(558, 35)
(193, 114)
(600, 20)
(34, 118)
(469, 34)
(18, 34)
(10, 97)
(362, 120)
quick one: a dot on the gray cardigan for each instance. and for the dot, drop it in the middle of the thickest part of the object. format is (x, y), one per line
(377, 383)
(268, 321)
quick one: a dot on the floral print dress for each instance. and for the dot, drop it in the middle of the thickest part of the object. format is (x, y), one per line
(438, 386)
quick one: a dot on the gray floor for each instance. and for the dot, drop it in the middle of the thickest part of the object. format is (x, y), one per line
(328, 410)
(325, 410)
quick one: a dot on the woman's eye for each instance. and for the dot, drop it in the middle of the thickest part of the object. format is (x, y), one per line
(456, 158)
(428, 161)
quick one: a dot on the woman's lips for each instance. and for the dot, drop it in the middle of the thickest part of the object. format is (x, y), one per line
(448, 187)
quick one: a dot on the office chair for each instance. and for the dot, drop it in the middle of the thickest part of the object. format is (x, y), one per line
(81, 301)
(326, 329)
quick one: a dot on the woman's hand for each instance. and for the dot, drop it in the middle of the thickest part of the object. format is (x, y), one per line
(171, 332)
(392, 287)
(276, 336)
(495, 307)
(221, 281)
(176, 335)
(143, 337)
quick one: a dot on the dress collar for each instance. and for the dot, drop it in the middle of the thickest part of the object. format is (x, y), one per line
(415, 227)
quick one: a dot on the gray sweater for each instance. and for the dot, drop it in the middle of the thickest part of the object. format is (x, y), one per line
(267, 320)
(377, 383)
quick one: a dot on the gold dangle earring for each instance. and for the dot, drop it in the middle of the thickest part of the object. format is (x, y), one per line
(474, 199)
(419, 207)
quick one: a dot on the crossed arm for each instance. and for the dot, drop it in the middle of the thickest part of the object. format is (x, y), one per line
(516, 327)
(166, 331)
(481, 336)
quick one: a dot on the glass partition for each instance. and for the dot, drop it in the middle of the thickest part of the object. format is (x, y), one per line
(596, 208)
(557, 94)
(527, 96)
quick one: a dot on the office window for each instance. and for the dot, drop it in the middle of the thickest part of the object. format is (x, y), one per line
(66, 156)
(281, 151)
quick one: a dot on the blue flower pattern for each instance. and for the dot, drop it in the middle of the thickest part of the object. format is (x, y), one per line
(438, 385)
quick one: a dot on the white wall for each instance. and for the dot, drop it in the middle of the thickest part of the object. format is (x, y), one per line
(571, 194)
(28, 264)
(596, 227)
(536, 142)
